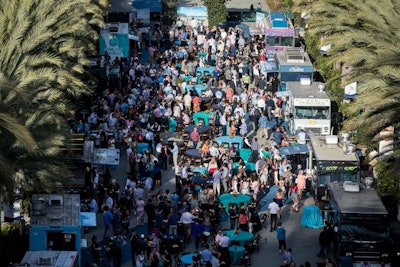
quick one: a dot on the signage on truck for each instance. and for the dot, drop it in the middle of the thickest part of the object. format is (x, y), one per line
(311, 102)
(296, 69)
(332, 168)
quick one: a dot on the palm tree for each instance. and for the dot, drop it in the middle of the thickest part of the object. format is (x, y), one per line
(365, 36)
(43, 54)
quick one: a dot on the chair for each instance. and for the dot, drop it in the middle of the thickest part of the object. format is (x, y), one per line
(245, 154)
(249, 246)
(256, 243)
(246, 260)
(236, 146)
(178, 262)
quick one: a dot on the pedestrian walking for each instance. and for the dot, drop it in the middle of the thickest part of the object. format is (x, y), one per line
(273, 209)
(281, 236)
(324, 243)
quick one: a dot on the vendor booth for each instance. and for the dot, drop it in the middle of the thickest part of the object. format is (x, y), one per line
(294, 64)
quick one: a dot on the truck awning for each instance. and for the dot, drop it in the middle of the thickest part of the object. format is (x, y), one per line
(292, 150)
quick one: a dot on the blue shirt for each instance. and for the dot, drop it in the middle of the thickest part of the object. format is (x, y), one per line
(262, 122)
(277, 136)
(206, 255)
(280, 233)
(197, 229)
(173, 220)
(108, 217)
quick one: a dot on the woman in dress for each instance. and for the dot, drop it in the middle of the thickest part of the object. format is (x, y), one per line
(232, 129)
(235, 184)
(275, 169)
(301, 183)
(294, 196)
(243, 221)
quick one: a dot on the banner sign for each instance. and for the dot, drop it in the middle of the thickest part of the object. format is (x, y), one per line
(199, 12)
(116, 45)
(350, 90)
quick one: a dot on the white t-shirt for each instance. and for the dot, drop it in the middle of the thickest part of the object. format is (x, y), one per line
(273, 208)
(200, 39)
(148, 183)
(187, 217)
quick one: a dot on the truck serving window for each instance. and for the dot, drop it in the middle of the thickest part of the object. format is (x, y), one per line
(337, 175)
(311, 112)
(366, 232)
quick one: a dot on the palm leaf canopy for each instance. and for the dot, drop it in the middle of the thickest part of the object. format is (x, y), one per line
(364, 35)
(42, 58)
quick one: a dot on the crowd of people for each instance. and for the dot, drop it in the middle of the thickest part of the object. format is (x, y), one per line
(154, 96)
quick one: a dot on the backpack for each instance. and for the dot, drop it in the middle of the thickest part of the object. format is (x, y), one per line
(257, 113)
(217, 117)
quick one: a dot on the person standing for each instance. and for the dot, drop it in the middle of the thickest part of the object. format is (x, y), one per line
(108, 218)
(96, 250)
(187, 220)
(197, 231)
(223, 245)
(133, 241)
(262, 127)
(150, 210)
(255, 148)
(324, 243)
(140, 259)
(223, 122)
(217, 182)
(225, 176)
(273, 209)
(255, 115)
(140, 211)
(195, 136)
(287, 255)
(281, 236)
(175, 152)
(164, 157)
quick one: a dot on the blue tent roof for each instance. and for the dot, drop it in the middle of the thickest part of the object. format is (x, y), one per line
(153, 5)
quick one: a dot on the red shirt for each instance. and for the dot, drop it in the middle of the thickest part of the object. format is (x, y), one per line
(195, 136)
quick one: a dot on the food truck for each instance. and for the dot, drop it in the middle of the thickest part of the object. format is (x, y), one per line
(362, 223)
(56, 229)
(279, 33)
(309, 106)
(293, 64)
